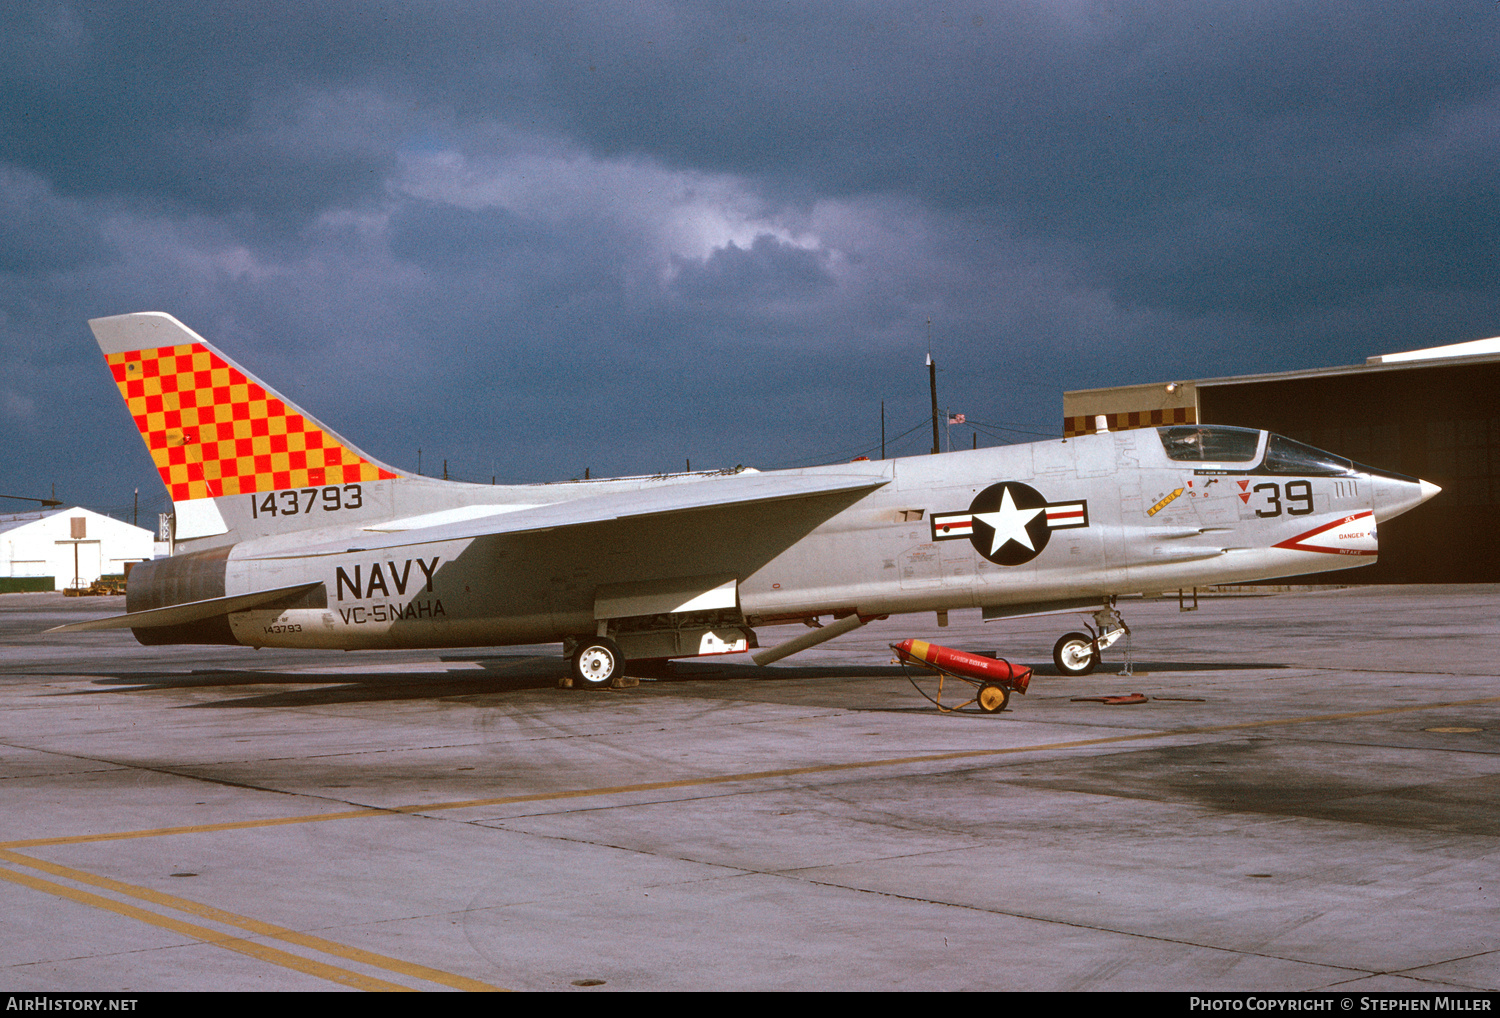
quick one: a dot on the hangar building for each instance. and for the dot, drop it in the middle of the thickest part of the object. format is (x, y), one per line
(1433, 414)
(41, 551)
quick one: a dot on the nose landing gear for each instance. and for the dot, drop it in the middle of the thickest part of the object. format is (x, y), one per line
(1079, 653)
(1075, 654)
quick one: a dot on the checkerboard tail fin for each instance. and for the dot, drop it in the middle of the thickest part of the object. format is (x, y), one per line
(214, 430)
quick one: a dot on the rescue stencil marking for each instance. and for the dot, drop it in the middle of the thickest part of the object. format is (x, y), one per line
(1158, 507)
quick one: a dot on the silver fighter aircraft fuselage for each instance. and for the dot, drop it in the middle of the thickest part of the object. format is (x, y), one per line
(288, 536)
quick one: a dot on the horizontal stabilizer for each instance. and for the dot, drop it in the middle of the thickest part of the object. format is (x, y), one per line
(180, 614)
(741, 490)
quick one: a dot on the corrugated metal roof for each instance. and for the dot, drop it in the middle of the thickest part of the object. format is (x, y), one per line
(1473, 348)
(10, 521)
(1351, 369)
(1486, 351)
(13, 521)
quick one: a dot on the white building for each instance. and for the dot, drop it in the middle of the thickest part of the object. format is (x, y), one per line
(69, 545)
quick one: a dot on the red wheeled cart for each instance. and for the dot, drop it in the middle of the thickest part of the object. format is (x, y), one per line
(993, 678)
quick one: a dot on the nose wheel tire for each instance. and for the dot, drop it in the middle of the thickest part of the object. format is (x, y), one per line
(992, 698)
(1075, 654)
(596, 663)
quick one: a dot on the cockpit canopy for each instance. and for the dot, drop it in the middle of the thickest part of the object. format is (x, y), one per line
(1213, 443)
(1210, 444)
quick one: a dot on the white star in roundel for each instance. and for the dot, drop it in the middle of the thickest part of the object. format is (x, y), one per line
(1009, 523)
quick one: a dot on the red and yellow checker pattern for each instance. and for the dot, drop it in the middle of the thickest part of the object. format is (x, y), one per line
(213, 432)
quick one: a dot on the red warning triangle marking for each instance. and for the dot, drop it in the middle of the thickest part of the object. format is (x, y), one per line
(1245, 498)
(1244, 485)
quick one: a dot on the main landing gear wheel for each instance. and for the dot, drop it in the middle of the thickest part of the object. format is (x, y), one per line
(992, 698)
(1075, 654)
(596, 662)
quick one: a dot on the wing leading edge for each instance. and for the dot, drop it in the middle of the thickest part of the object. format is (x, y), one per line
(729, 492)
(738, 491)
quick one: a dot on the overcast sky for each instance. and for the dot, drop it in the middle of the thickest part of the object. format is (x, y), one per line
(534, 238)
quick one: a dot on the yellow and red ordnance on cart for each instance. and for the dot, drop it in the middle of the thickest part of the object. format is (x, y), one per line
(995, 678)
(965, 665)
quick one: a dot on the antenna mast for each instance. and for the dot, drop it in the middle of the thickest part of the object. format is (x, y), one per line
(932, 382)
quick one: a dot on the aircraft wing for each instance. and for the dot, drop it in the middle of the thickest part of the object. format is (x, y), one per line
(667, 500)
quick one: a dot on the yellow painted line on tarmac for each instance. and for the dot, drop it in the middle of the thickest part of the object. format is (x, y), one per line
(256, 926)
(202, 933)
(232, 825)
(720, 779)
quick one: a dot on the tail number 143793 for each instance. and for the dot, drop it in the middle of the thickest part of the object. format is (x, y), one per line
(294, 501)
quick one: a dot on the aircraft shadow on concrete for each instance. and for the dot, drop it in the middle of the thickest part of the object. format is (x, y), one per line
(518, 674)
(695, 670)
(511, 674)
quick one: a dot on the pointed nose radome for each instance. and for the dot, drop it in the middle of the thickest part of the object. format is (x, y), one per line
(1396, 495)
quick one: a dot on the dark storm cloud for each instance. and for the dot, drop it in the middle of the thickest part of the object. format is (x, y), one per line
(1244, 158)
(626, 235)
(442, 237)
(40, 232)
(768, 270)
(1117, 126)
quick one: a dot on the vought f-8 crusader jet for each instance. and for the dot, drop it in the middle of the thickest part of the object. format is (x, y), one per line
(287, 535)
